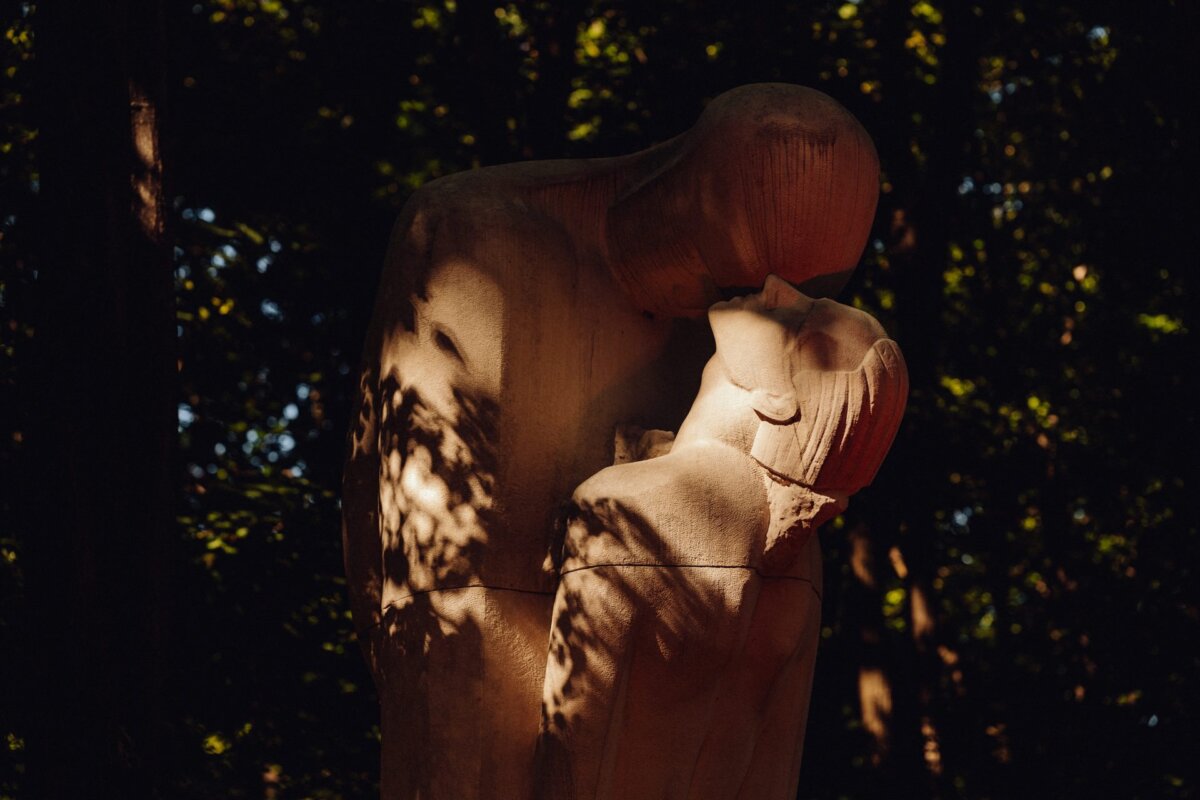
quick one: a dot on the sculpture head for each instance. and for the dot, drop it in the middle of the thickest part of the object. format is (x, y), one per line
(812, 390)
(773, 178)
(828, 386)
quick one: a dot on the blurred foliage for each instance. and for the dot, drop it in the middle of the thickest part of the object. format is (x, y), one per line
(17, 187)
(1011, 609)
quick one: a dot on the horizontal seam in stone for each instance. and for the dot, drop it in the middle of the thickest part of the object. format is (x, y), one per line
(755, 570)
(392, 603)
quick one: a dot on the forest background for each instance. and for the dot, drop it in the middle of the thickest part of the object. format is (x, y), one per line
(1011, 609)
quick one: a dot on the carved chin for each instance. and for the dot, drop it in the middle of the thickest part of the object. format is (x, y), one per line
(797, 512)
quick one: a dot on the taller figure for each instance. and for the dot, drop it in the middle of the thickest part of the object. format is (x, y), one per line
(524, 312)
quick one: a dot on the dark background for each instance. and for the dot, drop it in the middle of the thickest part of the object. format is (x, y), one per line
(1011, 608)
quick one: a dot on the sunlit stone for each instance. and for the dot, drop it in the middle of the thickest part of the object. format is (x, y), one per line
(543, 624)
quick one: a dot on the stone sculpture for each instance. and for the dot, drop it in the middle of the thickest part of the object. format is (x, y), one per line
(685, 623)
(524, 312)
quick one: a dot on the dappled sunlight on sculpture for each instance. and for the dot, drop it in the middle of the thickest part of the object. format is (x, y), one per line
(685, 627)
(524, 314)
(436, 450)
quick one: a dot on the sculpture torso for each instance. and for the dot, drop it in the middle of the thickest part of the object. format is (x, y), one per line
(495, 398)
(678, 666)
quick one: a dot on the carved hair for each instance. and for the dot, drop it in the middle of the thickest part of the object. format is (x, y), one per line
(829, 389)
(846, 422)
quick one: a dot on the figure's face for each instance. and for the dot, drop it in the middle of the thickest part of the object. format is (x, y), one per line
(751, 370)
(757, 337)
(817, 382)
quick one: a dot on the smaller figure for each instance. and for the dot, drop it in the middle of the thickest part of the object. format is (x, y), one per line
(686, 619)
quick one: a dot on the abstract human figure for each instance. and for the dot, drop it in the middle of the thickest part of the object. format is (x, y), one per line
(686, 621)
(523, 312)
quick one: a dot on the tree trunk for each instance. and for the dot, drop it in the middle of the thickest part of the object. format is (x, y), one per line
(100, 420)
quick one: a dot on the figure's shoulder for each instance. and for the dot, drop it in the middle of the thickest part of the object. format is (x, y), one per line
(476, 217)
(630, 486)
(475, 198)
(703, 504)
(512, 191)
(696, 462)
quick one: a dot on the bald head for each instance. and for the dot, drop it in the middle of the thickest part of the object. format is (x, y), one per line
(772, 178)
